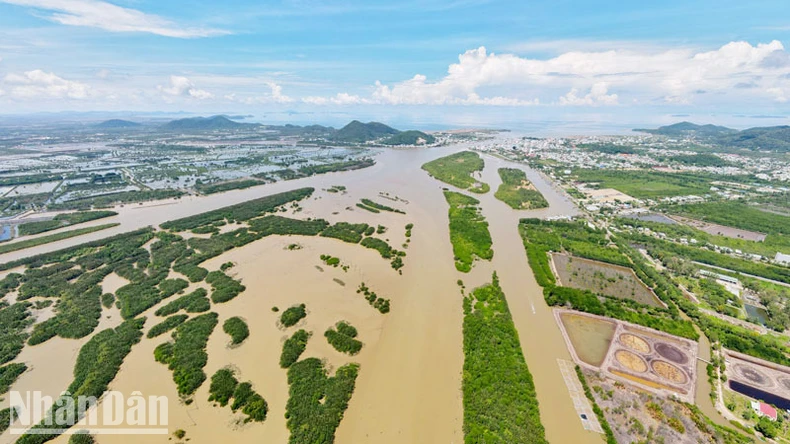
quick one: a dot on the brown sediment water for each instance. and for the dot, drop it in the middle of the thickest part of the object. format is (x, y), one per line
(590, 337)
(541, 339)
(409, 385)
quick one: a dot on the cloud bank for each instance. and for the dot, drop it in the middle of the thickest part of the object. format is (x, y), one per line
(110, 17)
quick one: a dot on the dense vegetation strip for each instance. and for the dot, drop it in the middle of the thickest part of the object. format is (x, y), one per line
(97, 364)
(166, 325)
(110, 199)
(457, 169)
(186, 354)
(9, 374)
(195, 302)
(237, 329)
(14, 322)
(500, 403)
(380, 207)
(317, 402)
(468, 231)
(7, 248)
(518, 192)
(227, 186)
(62, 220)
(293, 348)
(239, 212)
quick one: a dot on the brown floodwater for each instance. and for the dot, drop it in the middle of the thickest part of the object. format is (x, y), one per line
(590, 337)
(409, 386)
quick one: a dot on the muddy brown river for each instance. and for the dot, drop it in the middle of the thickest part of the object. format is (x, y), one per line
(409, 386)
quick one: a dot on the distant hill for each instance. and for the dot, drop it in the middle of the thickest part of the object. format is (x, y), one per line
(204, 124)
(683, 129)
(358, 132)
(410, 138)
(772, 138)
(117, 124)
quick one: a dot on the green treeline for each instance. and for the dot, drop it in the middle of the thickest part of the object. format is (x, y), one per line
(186, 354)
(237, 329)
(342, 338)
(227, 186)
(110, 199)
(97, 364)
(500, 403)
(29, 243)
(167, 325)
(293, 348)
(734, 214)
(665, 250)
(468, 231)
(225, 387)
(317, 402)
(457, 169)
(239, 212)
(380, 207)
(272, 224)
(293, 315)
(195, 302)
(62, 220)
(518, 192)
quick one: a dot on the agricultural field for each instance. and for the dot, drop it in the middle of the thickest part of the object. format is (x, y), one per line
(599, 277)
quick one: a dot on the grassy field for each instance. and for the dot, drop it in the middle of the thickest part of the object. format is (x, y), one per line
(457, 169)
(7, 248)
(735, 214)
(518, 192)
(468, 231)
(646, 184)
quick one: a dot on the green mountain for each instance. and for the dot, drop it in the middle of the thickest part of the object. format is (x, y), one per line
(410, 138)
(684, 129)
(204, 124)
(117, 124)
(358, 132)
(772, 138)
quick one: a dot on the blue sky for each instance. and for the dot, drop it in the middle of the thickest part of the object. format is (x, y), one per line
(429, 63)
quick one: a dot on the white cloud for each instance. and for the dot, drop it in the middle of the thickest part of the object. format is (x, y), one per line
(674, 76)
(339, 99)
(275, 96)
(183, 87)
(597, 96)
(40, 84)
(110, 17)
